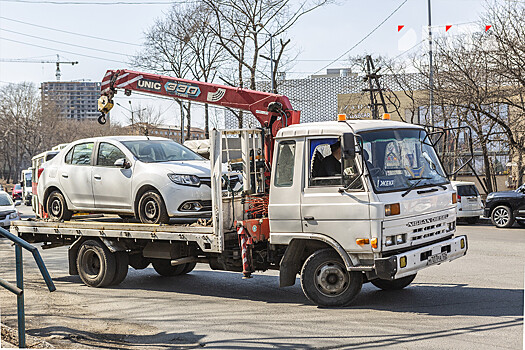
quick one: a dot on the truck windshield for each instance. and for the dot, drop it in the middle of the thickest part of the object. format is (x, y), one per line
(400, 158)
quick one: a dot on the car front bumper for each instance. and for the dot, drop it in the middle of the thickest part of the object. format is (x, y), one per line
(390, 268)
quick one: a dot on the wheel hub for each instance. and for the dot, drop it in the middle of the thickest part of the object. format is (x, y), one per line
(92, 263)
(56, 207)
(150, 209)
(331, 279)
(501, 216)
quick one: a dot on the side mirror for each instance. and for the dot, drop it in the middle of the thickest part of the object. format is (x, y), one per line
(348, 145)
(17, 203)
(122, 163)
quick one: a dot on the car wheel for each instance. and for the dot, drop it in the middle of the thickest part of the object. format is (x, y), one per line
(502, 217)
(152, 209)
(473, 220)
(326, 281)
(400, 283)
(96, 265)
(521, 223)
(57, 207)
(164, 268)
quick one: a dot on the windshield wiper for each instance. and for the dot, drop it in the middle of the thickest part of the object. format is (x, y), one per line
(412, 186)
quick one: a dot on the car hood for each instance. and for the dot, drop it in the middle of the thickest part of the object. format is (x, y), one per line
(7, 209)
(200, 168)
(506, 194)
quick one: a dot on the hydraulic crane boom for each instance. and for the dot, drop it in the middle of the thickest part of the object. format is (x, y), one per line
(271, 110)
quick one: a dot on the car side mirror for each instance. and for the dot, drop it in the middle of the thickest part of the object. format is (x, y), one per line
(17, 203)
(348, 145)
(122, 163)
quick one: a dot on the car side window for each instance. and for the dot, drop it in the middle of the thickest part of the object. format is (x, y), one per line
(108, 154)
(69, 156)
(82, 154)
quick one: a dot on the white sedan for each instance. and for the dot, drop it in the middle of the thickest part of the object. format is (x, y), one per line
(8, 211)
(151, 178)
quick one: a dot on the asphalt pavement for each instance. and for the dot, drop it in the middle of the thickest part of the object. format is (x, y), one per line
(473, 302)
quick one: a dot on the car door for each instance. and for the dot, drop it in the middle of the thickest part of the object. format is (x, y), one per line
(111, 184)
(324, 208)
(75, 175)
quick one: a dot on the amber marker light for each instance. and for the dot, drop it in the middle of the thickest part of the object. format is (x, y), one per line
(454, 198)
(362, 241)
(341, 117)
(403, 261)
(386, 116)
(392, 209)
(373, 243)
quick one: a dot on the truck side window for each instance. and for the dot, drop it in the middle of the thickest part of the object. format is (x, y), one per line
(285, 164)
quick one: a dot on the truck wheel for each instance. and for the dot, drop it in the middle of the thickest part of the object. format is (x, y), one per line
(152, 209)
(138, 262)
(121, 270)
(164, 268)
(188, 267)
(502, 217)
(521, 223)
(326, 282)
(96, 265)
(400, 283)
(473, 220)
(57, 207)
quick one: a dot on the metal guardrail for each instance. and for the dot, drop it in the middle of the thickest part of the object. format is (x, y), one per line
(18, 290)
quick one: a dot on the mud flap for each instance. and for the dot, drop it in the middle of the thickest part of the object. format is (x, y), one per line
(291, 263)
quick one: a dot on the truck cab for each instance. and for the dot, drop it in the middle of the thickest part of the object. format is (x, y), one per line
(389, 212)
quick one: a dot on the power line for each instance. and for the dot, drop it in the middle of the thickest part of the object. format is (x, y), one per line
(365, 37)
(59, 50)
(51, 2)
(61, 42)
(68, 32)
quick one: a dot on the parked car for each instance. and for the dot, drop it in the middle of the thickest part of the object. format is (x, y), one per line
(505, 207)
(470, 206)
(16, 193)
(151, 178)
(8, 211)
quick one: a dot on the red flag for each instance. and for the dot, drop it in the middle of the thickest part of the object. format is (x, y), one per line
(399, 27)
(487, 27)
(447, 28)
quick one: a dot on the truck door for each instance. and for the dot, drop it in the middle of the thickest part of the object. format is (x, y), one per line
(111, 184)
(342, 215)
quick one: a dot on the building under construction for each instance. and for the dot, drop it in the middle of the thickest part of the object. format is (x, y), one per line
(75, 100)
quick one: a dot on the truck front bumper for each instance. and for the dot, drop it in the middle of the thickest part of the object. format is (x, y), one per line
(410, 262)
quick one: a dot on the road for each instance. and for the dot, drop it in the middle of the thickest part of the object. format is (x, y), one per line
(473, 302)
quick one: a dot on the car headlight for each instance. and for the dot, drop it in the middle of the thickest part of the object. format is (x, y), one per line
(13, 215)
(187, 180)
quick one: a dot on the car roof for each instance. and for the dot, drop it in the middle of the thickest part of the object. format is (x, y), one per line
(462, 183)
(121, 138)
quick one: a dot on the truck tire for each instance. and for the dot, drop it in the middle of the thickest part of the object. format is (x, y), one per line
(164, 268)
(188, 267)
(502, 217)
(326, 282)
(56, 207)
(138, 262)
(400, 283)
(121, 270)
(96, 265)
(152, 209)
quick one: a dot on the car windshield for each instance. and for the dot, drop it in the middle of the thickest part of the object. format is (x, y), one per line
(5, 199)
(398, 159)
(155, 151)
(18, 187)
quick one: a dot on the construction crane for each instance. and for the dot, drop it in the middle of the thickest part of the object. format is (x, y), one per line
(58, 62)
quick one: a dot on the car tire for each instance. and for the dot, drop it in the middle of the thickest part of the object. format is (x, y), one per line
(151, 209)
(473, 220)
(96, 265)
(326, 282)
(56, 207)
(164, 268)
(521, 223)
(502, 217)
(398, 284)
(121, 270)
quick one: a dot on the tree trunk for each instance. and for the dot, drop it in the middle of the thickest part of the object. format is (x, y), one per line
(488, 170)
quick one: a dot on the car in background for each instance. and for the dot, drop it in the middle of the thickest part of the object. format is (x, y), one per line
(470, 205)
(506, 207)
(150, 178)
(27, 186)
(16, 193)
(8, 211)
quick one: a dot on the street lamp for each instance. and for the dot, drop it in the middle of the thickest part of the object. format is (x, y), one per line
(131, 111)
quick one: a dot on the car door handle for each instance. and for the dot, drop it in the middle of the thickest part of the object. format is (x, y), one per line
(65, 175)
(309, 218)
(97, 177)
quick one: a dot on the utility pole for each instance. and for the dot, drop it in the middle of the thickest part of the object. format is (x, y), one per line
(372, 77)
(431, 72)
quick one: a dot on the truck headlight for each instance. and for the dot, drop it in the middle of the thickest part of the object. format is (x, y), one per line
(13, 215)
(187, 180)
(389, 240)
(400, 239)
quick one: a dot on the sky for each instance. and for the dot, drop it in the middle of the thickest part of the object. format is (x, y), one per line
(317, 39)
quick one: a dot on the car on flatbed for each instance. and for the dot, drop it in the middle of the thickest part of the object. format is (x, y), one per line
(150, 178)
(506, 207)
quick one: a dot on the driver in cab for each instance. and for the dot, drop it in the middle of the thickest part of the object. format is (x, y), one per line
(332, 163)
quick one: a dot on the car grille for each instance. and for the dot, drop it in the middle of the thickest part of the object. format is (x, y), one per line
(233, 182)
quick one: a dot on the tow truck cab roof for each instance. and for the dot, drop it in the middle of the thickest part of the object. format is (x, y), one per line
(335, 127)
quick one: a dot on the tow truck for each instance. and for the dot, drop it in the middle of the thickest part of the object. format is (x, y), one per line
(388, 213)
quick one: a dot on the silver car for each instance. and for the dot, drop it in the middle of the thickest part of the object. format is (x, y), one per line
(151, 178)
(8, 211)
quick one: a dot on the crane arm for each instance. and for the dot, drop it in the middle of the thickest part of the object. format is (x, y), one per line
(271, 110)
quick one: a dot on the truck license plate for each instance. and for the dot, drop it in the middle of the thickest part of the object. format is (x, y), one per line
(437, 258)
